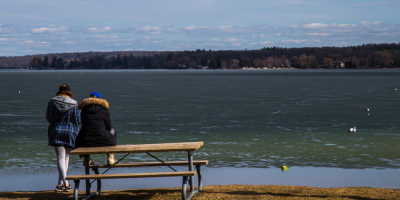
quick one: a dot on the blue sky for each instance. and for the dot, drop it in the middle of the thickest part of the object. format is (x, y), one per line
(54, 26)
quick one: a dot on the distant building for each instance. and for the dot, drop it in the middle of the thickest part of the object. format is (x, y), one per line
(338, 64)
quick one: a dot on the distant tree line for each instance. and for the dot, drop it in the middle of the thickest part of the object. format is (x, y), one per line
(362, 56)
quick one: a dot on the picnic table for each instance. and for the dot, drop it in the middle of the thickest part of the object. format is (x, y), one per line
(188, 176)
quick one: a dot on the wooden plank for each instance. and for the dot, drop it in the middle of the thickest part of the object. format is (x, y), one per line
(139, 148)
(131, 175)
(152, 164)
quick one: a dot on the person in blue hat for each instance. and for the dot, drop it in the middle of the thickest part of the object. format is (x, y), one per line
(96, 128)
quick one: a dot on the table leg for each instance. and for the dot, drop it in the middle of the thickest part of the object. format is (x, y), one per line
(190, 158)
(87, 158)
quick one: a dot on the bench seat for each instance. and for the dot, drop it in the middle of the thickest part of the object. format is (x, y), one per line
(131, 175)
(151, 164)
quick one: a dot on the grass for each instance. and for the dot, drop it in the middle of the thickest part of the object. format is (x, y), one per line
(223, 192)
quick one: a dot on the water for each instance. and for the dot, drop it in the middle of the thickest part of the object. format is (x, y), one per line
(247, 119)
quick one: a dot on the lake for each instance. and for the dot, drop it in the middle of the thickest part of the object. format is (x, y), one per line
(248, 119)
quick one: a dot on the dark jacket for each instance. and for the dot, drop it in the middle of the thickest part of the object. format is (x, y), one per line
(96, 124)
(64, 119)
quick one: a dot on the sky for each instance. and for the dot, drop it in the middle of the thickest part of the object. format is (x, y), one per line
(29, 27)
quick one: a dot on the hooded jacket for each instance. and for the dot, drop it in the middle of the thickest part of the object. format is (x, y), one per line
(96, 124)
(64, 119)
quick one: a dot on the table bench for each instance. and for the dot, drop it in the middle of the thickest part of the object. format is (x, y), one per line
(141, 148)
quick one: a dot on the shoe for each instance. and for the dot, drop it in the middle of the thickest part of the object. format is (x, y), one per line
(68, 188)
(60, 188)
(110, 159)
(91, 162)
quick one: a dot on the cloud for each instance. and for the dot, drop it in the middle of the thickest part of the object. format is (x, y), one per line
(266, 42)
(225, 27)
(189, 28)
(315, 25)
(317, 34)
(96, 30)
(60, 29)
(215, 40)
(295, 41)
(236, 44)
(3, 39)
(231, 40)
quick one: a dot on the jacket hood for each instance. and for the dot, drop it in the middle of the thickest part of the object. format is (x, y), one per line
(63, 103)
(93, 101)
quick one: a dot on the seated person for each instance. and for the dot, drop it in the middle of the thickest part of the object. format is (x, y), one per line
(96, 128)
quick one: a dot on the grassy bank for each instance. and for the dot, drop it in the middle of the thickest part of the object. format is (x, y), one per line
(224, 192)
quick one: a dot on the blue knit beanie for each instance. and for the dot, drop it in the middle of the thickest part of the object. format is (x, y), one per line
(95, 94)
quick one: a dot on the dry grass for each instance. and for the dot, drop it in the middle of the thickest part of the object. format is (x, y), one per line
(224, 192)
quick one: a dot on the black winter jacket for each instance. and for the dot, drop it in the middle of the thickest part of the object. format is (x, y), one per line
(96, 124)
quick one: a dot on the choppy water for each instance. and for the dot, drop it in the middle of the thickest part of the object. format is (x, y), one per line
(245, 118)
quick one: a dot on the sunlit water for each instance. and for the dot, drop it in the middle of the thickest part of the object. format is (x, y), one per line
(247, 119)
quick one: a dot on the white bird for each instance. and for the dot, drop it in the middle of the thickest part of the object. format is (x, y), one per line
(19, 91)
(354, 129)
(367, 109)
(395, 88)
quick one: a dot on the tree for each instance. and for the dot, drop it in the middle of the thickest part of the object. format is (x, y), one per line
(54, 62)
(327, 62)
(45, 63)
(219, 66)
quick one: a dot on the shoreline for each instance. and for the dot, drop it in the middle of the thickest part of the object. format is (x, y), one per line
(46, 178)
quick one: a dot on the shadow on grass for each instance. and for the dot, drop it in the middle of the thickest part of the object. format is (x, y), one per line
(109, 195)
(242, 193)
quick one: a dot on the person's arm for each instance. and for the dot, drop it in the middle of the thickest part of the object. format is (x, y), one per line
(108, 121)
(78, 115)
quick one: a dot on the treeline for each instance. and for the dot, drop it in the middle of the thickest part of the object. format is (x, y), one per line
(362, 56)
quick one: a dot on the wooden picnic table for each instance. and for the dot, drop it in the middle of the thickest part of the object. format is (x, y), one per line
(188, 147)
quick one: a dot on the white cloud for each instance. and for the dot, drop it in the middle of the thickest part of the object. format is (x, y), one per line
(146, 37)
(96, 30)
(295, 41)
(215, 40)
(315, 25)
(317, 34)
(189, 28)
(231, 40)
(236, 44)
(365, 23)
(3, 39)
(266, 42)
(224, 27)
(149, 28)
(60, 29)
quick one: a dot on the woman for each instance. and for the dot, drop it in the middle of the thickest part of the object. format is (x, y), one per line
(96, 128)
(64, 119)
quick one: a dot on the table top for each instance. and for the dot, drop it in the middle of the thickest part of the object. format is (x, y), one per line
(139, 148)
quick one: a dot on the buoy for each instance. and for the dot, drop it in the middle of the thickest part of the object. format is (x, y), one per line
(284, 168)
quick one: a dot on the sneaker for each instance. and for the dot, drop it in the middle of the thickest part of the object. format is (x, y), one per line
(68, 188)
(60, 188)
